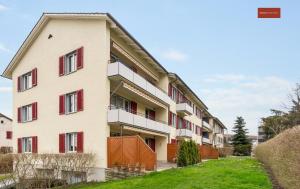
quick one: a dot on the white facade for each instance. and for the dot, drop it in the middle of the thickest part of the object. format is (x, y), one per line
(6, 133)
(98, 97)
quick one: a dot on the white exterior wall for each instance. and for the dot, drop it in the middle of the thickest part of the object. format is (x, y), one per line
(4, 127)
(68, 35)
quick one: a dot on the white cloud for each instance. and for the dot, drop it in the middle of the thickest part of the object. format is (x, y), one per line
(224, 78)
(5, 89)
(3, 7)
(249, 96)
(175, 55)
(3, 48)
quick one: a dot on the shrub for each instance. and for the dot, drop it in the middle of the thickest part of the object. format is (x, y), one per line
(188, 154)
(282, 155)
(225, 151)
(44, 170)
(242, 150)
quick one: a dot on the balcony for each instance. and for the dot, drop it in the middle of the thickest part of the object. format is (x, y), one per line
(119, 69)
(206, 140)
(121, 116)
(184, 133)
(205, 124)
(184, 108)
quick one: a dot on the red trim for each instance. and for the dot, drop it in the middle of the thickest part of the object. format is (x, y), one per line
(19, 145)
(80, 100)
(80, 142)
(19, 84)
(8, 134)
(133, 107)
(19, 115)
(61, 65)
(62, 143)
(62, 104)
(80, 58)
(170, 118)
(170, 90)
(34, 77)
(34, 111)
(34, 144)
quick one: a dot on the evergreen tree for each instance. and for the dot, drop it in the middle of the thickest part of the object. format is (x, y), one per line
(242, 145)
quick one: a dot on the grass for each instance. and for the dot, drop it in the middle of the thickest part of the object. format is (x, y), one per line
(235, 173)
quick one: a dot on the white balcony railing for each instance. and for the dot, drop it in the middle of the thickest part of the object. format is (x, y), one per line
(206, 140)
(118, 68)
(185, 108)
(184, 133)
(122, 116)
(205, 124)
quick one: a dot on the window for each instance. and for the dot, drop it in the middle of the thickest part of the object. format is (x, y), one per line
(173, 120)
(2, 121)
(71, 142)
(150, 114)
(174, 93)
(26, 81)
(26, 112)
(120, 103)
(27, 144)
(71, 102)
(71, 61)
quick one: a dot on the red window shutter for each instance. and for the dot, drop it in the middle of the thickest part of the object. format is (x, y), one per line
(34, 77)
(34, 111)
(19, 145)
(19, 84)
(80, 100)
(184, 124)
(62, 104)
(152, 114)
(80, 142)
(170, 90)
(34, 144)
(170, 118)
(61, 65)
(133, 107)
(8, 134)
(173, 141)
(80, 58)
(19, 115)
(62, 143)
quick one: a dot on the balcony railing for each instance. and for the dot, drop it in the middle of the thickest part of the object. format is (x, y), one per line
(184, 133)
(206, 140)
(118, 115)
(205, 124)
(119, 69)
(184, 107)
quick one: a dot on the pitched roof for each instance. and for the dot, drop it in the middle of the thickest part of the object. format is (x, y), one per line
(44, 19)
(2, 115)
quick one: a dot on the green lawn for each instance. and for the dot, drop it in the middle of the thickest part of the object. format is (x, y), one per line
(228, 173)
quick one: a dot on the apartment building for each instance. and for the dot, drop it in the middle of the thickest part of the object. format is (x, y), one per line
(218, 133)
(81, 78)
(5, 133)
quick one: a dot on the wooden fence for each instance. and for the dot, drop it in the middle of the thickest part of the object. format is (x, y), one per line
(205, 152)
(130, 150)
(208, 152)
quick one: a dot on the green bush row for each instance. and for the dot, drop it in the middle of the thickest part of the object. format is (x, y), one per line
(188, 154)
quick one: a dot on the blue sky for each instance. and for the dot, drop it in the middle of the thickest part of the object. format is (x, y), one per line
(236, 63)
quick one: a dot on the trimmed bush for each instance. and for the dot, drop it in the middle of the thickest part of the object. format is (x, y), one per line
(282, 155)
(188, 154)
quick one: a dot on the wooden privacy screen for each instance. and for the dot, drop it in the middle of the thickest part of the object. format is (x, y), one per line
(208, 152)
(130, 150)
(205, 152)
